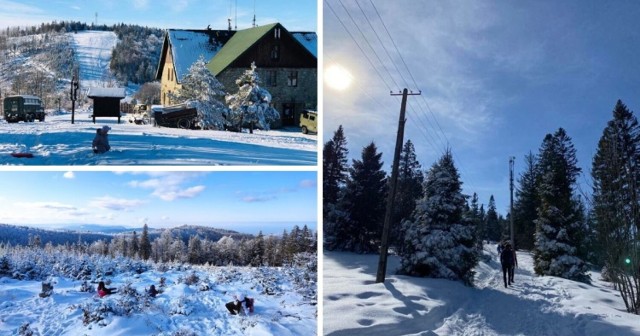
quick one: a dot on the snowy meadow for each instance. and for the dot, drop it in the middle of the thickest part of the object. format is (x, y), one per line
(191, 300)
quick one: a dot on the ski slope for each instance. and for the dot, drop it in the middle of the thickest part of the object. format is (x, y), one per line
(355, 305)
(93, 53)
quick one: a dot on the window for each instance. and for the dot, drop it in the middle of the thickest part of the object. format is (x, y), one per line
(272, 78)
(292, 80)
(275, 53)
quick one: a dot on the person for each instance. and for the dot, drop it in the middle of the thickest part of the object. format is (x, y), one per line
(508, 259)
(500, 248)
(235, 306)
(101, 141)
(103, 290)
(152, 291)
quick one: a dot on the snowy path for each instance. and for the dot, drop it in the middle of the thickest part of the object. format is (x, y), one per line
(58, 142)
(355, 305)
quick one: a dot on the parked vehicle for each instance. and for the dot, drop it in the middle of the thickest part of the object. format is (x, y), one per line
(23, 108)
(141, 115)
(309, 121)
(176, 116)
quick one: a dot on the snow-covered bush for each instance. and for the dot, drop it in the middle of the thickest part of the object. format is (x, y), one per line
(191, 279)
(86, 287)
(181, 306)
(5, 266)
(25, 330)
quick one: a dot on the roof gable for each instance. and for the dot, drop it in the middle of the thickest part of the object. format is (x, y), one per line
(237, 45)
(188, 45)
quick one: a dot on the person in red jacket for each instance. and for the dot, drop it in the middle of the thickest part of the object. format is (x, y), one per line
(103, 290)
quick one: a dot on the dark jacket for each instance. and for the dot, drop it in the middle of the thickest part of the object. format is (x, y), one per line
(508, 257)
(100, 142)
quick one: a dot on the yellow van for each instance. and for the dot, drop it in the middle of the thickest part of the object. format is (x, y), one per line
(309, 121)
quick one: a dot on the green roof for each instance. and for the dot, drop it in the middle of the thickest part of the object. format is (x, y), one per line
(236, 46)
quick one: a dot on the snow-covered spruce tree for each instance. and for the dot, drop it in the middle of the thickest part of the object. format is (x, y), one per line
(476, 218)
(251, 104)
(526, 203)
(616, 202)
(363, 204)
(201, 88)
(145, 243)
(440, 243)
(335, 168)
(492, 222)
(558, 228)
(408, 191)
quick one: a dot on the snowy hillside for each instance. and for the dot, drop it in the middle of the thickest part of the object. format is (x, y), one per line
(355, 305)
(192, 300)
(58, 142)
(93, 53)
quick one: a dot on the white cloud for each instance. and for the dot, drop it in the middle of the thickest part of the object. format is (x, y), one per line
(47, 205)
(117, 204)
(69, 175)
(256, 199)
(140, 4)
(169, 186)
(17, 7)
(308, 184)
(178, 5)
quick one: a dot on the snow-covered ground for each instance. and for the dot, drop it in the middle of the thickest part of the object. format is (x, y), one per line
(58, 142)
(354, 304)
(180, 309)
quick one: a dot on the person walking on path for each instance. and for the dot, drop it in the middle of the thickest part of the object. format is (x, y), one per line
(508, 261)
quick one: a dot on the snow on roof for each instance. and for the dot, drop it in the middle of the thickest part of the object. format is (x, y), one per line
(188, 45)
(309, 40)
(106, 92)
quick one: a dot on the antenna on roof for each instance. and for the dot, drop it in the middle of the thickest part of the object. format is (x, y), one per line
(236, 19)
(254, 13)
(230, 9)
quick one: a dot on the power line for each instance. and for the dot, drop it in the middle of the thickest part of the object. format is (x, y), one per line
(358, 44)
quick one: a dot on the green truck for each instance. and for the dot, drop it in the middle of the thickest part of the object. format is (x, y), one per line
(23, 108)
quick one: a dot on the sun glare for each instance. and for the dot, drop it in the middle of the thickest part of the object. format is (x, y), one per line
(337, 77)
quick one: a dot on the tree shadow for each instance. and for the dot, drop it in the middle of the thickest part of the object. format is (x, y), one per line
(469, 308)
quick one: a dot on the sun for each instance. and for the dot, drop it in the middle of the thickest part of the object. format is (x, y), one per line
(337, 77)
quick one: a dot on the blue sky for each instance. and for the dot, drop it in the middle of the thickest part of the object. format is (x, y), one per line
(495, 76)
(245, 201)
(296, 15)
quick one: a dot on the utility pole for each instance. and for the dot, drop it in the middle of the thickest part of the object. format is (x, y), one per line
(382, 263)
(511, 163)
(74, 95)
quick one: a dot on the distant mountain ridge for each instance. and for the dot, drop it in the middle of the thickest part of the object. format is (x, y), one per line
(89, 233)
